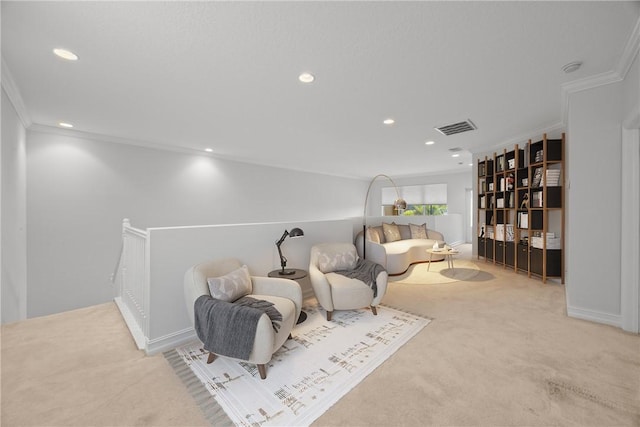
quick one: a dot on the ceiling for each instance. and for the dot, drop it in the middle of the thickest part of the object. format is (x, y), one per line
(224, 75)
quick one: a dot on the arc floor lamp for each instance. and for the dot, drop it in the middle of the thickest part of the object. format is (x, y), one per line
(399, 204)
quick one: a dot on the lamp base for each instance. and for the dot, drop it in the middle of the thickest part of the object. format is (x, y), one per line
(286, 272)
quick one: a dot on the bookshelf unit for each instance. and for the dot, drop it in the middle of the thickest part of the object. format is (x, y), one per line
(521, 208)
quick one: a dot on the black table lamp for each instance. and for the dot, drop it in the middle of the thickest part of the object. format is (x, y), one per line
(295, 232)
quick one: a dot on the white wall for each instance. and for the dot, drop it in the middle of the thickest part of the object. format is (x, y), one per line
(79, 189)
(594, 198)
(174, 250)
(14, 241)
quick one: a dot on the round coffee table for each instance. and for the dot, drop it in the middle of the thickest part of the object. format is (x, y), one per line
(448, 255)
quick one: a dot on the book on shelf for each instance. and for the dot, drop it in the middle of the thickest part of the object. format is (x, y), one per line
(483, 202)
(500, 203)
(523, 220)
(552, 177)
(510, 234)
(536, 199)
(537, 177)
(539, 156)
(512, 163)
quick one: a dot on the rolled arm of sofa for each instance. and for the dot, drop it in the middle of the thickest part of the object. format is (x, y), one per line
(435, 235)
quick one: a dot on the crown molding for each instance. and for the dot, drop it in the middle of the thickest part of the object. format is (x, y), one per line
(630, 52)
(616, 75)
(98, 137)
(535, 134)
(13, 93)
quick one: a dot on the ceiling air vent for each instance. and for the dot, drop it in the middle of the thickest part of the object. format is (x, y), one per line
(457, 128)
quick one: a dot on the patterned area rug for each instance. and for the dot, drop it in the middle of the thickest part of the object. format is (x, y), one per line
(311, 372)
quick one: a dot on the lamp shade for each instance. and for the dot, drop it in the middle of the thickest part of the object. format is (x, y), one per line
(296, 232)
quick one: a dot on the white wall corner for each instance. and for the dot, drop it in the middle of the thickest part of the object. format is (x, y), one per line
(13, 93)
(594, 316)
(617, 74)
(630, 245)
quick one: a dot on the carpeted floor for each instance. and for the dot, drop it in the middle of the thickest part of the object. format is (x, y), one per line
(498, 352)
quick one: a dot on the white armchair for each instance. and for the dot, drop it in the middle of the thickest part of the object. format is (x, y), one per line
(285, 295)
(335, 291)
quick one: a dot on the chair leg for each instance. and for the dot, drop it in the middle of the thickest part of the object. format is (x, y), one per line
(211, 358)
(262, 369)
(374, 310)
(329, 313)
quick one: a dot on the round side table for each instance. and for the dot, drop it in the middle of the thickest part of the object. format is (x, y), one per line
(292, 274)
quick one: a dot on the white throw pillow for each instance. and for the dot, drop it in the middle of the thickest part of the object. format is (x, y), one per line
(418, 231)
(344, 258)
(391, 232)
(231, 286)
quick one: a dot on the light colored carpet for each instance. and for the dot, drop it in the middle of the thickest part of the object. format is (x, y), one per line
(498, 352)
(310, 372)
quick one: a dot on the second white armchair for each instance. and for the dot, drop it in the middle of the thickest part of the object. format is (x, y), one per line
(341, 281)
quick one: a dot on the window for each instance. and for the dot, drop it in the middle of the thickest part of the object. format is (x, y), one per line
(427, 199)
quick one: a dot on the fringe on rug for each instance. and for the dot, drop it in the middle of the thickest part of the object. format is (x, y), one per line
(210, 408)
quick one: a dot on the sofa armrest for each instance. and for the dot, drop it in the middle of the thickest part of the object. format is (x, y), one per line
(321, 287)
(435, 235)
(278, 287)
(376, 253)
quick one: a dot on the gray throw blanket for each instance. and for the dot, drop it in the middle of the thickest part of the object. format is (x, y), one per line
(229, 328)
(365, 271)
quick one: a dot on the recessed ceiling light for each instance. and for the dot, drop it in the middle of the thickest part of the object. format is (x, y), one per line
(65, 125)
(388, 121)
(455, 155)
(209, 150)
(572, 66)
(470, 164)
(306, 77)
(429, 143)
(65, 54)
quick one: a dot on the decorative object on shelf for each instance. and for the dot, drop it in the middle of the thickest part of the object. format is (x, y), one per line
(400, 204)
(295, 232)
(525, 201)
(510, 181)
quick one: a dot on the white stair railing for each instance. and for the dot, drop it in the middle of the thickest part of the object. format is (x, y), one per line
(132, 276)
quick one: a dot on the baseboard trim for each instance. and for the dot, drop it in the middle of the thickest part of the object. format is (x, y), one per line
(170, 341)
(595, 316)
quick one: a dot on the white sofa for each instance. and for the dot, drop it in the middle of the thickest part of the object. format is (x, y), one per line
(397, 255)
